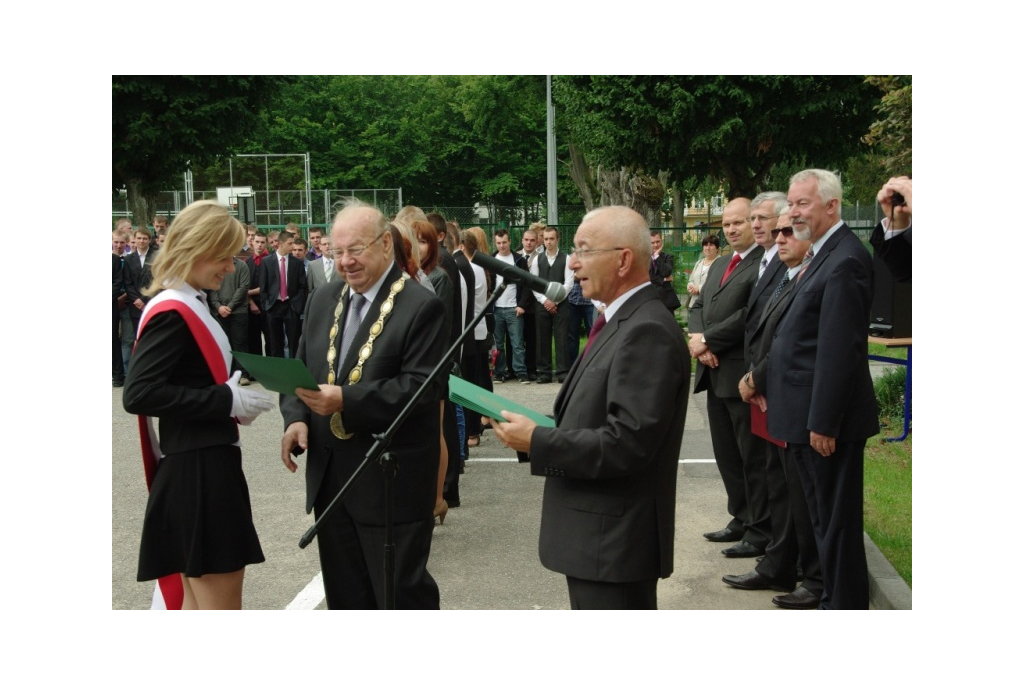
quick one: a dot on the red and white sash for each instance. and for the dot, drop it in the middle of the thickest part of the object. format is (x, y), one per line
(214, 345)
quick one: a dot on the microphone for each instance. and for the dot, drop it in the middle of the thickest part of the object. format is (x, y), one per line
(553, 290)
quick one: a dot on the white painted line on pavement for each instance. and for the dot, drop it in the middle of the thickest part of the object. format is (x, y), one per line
(476, 460)
(310, 597)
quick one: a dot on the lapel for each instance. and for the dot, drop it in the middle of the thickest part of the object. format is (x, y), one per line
(369, 317)
(768, 281)
(605, 340)
(821, 257)
(752, 260)
(769, 307)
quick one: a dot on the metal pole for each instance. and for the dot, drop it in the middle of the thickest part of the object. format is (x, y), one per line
(552, 171)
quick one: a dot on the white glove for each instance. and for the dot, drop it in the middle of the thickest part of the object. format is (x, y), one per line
(247, 404)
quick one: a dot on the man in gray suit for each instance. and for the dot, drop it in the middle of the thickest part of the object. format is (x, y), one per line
(608, 517)
(716, 326)
(321, 271)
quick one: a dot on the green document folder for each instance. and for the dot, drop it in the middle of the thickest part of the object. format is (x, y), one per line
(488, 404)
(277, 374)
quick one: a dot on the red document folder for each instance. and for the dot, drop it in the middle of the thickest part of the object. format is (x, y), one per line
(759, 425)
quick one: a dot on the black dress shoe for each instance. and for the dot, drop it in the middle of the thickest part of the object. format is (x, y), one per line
(741, 550)
(542, 381)
(725, 535)
(754, 581)
(800, 598)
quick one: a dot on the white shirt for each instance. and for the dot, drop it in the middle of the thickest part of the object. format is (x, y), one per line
(508, 298)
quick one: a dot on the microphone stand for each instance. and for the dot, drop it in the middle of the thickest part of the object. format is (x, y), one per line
(379, 452)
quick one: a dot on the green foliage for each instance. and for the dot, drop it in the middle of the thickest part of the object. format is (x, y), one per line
(162, 123)
(732, 128)
(892, 134)
(890, 392)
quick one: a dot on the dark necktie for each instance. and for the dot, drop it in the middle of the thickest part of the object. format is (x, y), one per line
(355, 304)
(732, 265)
(778, 289)
(595, 329)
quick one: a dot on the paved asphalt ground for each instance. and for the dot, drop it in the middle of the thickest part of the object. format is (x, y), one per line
(485, 555)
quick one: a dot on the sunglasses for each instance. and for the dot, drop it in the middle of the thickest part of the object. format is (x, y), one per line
(787, 231)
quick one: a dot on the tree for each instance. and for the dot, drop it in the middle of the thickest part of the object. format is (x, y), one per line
(161, 124)
(733, 128)
(892, 135)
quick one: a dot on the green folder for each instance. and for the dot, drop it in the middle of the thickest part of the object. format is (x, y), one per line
(277, 374)
(481, 401)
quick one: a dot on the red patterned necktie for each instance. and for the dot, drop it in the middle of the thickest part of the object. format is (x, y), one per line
(598, 325)
(284, 279)
(732, 265)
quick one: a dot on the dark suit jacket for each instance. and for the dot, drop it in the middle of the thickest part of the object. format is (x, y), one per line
(659, 270)
(317, 277)
(523, 294)
(720, 313)
(896, 253)
(818, 366)
(404, 354)
(609, 498)
(760, 338)
(759, 295)
(137, 277)
(269, 280)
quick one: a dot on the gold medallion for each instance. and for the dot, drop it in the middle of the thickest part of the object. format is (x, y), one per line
(338, 428)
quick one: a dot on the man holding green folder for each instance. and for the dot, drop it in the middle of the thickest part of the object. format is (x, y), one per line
(608, 516)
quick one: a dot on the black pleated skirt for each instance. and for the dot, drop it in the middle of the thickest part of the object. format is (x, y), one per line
(198, 517)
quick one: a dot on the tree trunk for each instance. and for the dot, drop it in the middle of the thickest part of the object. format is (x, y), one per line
(678, 207)
(582, 175)
(638, 191)
(138, 203)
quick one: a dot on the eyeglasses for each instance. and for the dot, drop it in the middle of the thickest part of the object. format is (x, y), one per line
(787, 231)
(582, 253)
(357, 250)
(763, 217)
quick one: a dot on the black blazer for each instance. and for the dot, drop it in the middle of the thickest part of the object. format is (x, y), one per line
(720, 313)
(611, 464)
(406, 351)
(759, 295)
(818, 364)
(136, 277)
(659, 270)
(896, 253)
(269, 281)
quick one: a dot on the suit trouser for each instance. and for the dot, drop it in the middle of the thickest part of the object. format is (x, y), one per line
(580, 315)
(256, 325)
(117, 361)
(236, 326)
(552, 327)
(530, 339)
(740, 456)
(792, 534)
(282, 321)
(451, 437)
(127, 336)
(593, 594)
(352, 557)
(834, 488)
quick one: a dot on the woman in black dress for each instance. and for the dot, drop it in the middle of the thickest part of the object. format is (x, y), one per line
(198, 535)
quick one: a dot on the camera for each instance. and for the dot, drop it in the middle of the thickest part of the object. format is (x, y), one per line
(898, 200)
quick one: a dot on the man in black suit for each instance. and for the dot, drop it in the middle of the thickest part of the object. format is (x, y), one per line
(891, 238)
(716, 327)
(792, 542)
(282, 307)
(818, 371)
(370, 342)
(661, 270)
(608, 517)
(530, 252)
(137, 274)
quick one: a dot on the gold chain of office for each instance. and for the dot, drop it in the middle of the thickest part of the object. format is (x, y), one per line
(337, 427)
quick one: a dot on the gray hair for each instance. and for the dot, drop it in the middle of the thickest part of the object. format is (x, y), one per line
(829, 186)
(771, 196)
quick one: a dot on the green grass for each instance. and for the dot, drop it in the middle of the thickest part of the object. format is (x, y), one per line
(888, 498)
(883, 351)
